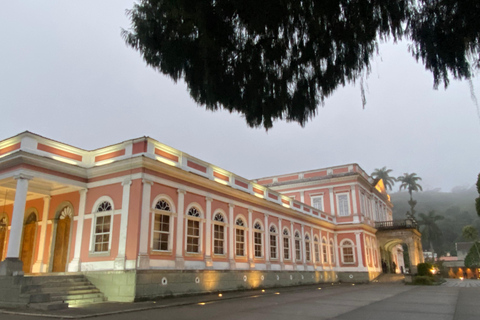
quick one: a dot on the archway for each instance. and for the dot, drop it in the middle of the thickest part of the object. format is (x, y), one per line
(28, 243)
(62, 238)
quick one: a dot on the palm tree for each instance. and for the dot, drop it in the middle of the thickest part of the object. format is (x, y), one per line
(384, 174)
(430, 230)
(409, 182)
(470, 233)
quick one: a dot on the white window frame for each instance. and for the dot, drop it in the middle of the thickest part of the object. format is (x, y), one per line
(317, 197)
(260, 232)
(274, 244)
(308, 248)
(172, 213)
(344, 246)
(286, 244)
(331, 247)
(340, 213)
(368, 251)
(298, 246)
(316, 248)
(223, 224)
(325, 258)
(95, 215)
(200, 227)
(244, 230)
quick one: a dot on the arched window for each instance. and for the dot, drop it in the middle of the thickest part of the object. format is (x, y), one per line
(332, 252)
(273, 242)
(298, 247)
(368, 250)
(193, 230)
(219, 234)
(348, 256)
(103, 226)
(161, 226)
(257, 240)
(286, 244)
(239, 237)
(324, 251)
(316, 245)
(307, 248)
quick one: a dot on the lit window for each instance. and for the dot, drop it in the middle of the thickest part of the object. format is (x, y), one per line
(239, 238)
(298, 247)
(342, 200)
(257, 240)
(161, 226)
(218, 234)
(332, 252)
(324, 251)
(286, 244)
(307, 247)
(316, 245)
(273, 242)
(103, 224)
(317, 202)
(347, 252)
(193, 230)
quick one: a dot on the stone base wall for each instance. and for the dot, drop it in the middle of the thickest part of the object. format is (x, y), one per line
(115, 285)
(358, 277)
(10, 292)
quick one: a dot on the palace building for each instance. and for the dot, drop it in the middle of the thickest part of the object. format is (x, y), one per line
(141, 219)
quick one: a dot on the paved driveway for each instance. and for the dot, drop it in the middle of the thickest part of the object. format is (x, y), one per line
(338, 302)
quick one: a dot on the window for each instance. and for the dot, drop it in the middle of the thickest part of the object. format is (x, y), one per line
(239, 238)
(316, 246)
(317, 202)
(103, 224)
(332, 252)
(257, 240)
(362, 204)
(368, 251)
(298, 247)
(218, 234)
(347, 252)
(161, 226)
(324, 251)
(342, 200)
(273, 242)
(286, 244)
(307, 248)
(193, 230)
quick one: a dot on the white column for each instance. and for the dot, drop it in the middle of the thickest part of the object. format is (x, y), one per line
(354, 203)
(231, 234)
(75, 264)
(302, 196)
(143, 261)
(16, 229)
(208, 234)
(304, 251)
(38, 266)
(179, 260)
(267, 241)
(332, 201)
(250, 239)
(122, 238)
(280, 243)
(359, 250)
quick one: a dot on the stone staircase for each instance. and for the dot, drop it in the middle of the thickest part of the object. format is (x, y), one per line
(390, 278)
(53, 292)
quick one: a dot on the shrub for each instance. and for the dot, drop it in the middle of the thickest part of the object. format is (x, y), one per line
(423, 280)
(424, 269)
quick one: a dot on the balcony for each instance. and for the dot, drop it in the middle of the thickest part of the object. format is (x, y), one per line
(396, 224)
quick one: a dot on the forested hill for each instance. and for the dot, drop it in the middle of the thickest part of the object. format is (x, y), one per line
(457, 208)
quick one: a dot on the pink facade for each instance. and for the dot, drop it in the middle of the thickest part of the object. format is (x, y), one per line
(140, 204)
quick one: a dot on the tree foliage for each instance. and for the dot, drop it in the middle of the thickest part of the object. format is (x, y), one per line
(409, 181)
(384, 174)
(470, 233)
(431, 233)
(274, 59)
(477, 200)
(472, 260)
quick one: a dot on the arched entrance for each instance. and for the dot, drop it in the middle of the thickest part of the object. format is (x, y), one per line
(28, 243)
(3, 235)
(62, 238)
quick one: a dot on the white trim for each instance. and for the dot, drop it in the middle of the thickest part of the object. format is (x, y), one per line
(94, 216)
(352, 246)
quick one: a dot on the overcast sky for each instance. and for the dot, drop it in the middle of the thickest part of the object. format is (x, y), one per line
(65, 73)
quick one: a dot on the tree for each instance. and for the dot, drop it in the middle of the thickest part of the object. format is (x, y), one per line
(477, 200)
(472, 260)
(470, 233)
(409, 182)
(384, 174)
(274, 59)
(430, 230)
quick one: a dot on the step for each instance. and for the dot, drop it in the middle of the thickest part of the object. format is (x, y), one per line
(76, 303)
(50, 289)
(52, 305)
(76, 296)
